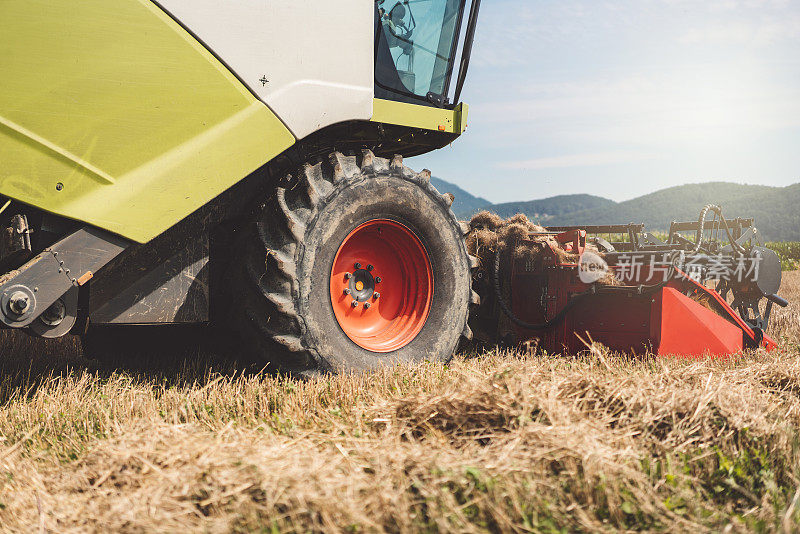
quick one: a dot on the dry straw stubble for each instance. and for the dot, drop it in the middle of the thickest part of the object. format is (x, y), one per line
(495, 442)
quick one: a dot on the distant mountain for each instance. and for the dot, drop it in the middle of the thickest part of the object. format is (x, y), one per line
(775, 209)
(549, 208)
(465, 204)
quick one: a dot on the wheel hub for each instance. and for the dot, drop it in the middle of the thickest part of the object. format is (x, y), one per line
(362, 285)
(386, 254)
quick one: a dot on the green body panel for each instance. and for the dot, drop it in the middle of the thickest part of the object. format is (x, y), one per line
(112, 114)
(415, 116)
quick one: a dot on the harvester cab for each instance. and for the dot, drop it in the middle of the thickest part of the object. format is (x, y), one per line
(416, 47)
(398, 35)
(240, 165)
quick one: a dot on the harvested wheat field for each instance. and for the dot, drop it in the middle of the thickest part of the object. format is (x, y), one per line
(495, 441)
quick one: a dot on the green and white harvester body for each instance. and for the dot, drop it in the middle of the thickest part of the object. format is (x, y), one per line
(239, 165)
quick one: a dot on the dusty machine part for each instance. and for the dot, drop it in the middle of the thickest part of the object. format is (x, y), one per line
(175, 290)
(747, 297)
(513, 239)
(15, 242)
(322, 279)
(30, 291)
(648, 295)
(59, 318)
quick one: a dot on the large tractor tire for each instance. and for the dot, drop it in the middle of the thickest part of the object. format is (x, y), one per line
(351, 265)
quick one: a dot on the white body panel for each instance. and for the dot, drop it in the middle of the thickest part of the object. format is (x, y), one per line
(310, 61)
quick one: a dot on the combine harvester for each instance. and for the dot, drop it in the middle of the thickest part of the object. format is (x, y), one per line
(236, 164)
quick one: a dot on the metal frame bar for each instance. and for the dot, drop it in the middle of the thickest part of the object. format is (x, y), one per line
(29, 291)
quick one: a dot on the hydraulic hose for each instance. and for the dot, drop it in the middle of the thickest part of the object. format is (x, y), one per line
(516, 320)
(578, 297)
(701, 228)
(701, 224)
(736, 246)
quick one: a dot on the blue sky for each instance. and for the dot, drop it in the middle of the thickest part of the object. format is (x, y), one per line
(622, 98)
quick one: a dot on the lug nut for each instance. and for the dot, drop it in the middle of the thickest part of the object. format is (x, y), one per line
(348, 276)
(357, 265)
(370, 267)
(347, 291)
(367, 305)
(354, 304)
(377, 279)
(18, 303)
(376, 295)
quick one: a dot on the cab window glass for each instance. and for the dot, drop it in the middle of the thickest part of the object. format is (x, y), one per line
(415, 45)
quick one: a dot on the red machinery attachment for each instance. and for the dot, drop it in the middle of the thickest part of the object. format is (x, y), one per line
(658, 300)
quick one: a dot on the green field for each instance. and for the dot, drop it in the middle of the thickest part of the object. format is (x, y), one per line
(789, 253)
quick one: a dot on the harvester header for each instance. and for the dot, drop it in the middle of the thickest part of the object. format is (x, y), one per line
(707, 289)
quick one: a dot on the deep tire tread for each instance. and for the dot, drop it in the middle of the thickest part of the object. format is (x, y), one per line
(271, 324)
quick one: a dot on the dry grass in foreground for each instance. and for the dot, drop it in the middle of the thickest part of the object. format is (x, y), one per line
(499, 442)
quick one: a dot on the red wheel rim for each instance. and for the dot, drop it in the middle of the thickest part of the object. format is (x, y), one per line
(385, 270)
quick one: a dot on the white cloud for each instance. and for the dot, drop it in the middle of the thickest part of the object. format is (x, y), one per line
(759, 30)
(695, 105)
(515, 34)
